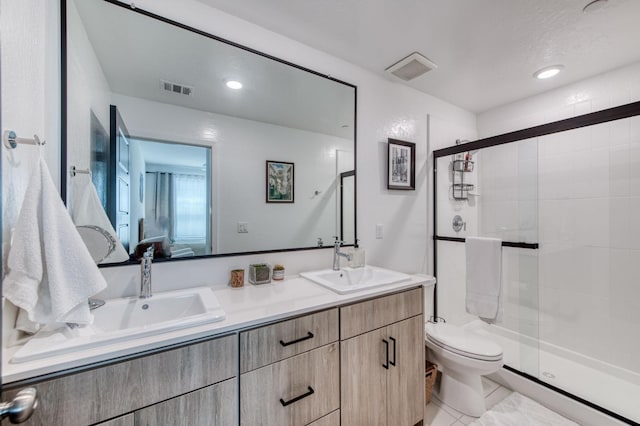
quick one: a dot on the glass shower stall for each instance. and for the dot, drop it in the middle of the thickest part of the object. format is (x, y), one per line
(563, 197)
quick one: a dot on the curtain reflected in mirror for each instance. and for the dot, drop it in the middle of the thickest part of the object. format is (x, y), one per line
(176, 201)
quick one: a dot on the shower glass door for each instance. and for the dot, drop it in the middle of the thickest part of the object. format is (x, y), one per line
(492, 192)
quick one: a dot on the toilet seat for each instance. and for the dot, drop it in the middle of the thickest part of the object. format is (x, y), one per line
(462, 342)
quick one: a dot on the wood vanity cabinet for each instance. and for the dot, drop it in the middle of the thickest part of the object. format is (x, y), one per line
(291, 372)
(189, 385)
(358, 364)
(382, 361)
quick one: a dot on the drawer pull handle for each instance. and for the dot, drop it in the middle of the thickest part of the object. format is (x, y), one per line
(386, 363)
(394, 351)
(298, 398)
(302, 339)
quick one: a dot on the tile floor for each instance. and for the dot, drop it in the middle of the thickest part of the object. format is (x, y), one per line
(437, 413)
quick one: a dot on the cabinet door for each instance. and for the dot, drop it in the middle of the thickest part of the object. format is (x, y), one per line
(213, 405)
(363, 379)
(405, 381)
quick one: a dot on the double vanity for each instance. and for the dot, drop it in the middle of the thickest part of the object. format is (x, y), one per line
(287, 353)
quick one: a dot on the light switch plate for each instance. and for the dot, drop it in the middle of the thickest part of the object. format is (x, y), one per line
(379, 231)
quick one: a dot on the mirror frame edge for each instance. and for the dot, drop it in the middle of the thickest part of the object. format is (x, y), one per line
(64, 123)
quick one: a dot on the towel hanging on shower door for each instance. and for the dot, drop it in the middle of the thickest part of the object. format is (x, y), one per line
(484, 276)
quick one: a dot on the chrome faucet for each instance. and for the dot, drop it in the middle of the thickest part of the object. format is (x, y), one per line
(145, 273)
(337, 254)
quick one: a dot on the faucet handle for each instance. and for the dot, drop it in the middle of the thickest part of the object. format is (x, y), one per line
(148, 254)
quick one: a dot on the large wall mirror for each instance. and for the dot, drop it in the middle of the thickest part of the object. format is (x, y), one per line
(197, 146)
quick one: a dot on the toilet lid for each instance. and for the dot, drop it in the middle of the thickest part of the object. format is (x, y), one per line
(458, 340)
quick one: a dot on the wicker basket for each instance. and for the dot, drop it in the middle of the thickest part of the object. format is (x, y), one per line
(430, 374)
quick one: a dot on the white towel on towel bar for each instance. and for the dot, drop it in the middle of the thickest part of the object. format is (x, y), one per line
(50, 273)
(484, 276)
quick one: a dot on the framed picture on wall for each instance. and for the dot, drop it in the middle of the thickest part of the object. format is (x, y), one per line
(280, 178)
(401, 165)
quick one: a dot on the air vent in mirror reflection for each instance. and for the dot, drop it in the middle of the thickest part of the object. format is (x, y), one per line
(180, 89)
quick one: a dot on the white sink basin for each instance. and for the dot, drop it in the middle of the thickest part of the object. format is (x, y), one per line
(350, 280)
(128, 318)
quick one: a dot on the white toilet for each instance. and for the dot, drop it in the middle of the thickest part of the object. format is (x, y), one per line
(462, 357)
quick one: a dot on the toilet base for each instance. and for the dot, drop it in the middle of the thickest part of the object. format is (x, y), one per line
(462, 391)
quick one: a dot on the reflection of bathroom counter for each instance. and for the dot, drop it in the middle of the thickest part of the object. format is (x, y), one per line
(245, 307)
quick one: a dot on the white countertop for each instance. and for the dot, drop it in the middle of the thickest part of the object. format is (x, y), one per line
(245, 307)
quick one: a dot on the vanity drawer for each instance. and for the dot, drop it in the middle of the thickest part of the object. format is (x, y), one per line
(375, 313)
(107, 392)
(295, 391)
(272, 343)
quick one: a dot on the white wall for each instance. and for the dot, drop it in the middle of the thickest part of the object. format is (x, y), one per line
(589, 200)
(29, 103)
(385, 109)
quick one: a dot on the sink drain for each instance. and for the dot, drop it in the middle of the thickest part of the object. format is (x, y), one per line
(145, 306)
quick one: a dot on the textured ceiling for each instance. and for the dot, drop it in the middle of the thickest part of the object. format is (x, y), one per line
(486, 50)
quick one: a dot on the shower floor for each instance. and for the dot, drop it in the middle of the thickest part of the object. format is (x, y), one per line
(603, 384)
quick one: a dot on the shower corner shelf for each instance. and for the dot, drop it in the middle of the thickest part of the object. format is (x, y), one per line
(464, 166)
(460, 190)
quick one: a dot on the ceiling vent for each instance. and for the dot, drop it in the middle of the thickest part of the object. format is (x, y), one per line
(411, 67)
(180, 89)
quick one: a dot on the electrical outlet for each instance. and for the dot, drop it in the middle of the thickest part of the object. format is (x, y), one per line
(243, 227)
(379, 231)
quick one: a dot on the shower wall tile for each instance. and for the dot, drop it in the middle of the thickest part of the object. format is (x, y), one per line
(500, 219)
(634, 170)
(619, 223)
(619, 175)
(597, 175)
(590, 225)
(599, 135)
(634, 130)
(624, 213)
(625, 275)
(620, 132)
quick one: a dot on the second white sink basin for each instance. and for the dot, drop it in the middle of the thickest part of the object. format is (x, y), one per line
(126, 319)
(350, 280)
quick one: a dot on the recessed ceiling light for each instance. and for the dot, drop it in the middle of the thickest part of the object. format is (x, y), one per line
(548, 72)
(232, 84)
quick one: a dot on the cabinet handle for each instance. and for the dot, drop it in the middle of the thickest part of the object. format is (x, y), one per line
(394, 351)
(298, 398)
(386, 344)
(307, 337)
